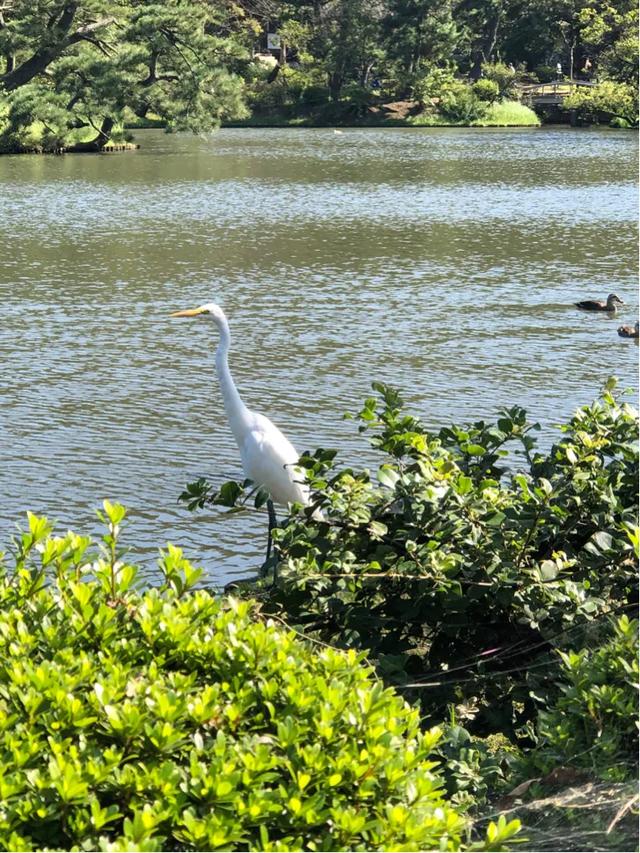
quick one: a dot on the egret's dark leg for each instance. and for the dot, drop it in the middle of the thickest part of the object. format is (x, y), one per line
(273, 521)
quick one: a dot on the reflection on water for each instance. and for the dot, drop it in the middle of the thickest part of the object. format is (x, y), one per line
(444, 262)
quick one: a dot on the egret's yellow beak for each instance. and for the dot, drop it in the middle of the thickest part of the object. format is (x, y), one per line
(190, 312)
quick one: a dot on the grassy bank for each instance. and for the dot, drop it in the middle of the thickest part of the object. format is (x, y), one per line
(38, 139)
(509, 114)
(501, 114)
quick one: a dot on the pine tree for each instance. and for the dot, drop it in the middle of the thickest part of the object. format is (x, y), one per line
(80, 65)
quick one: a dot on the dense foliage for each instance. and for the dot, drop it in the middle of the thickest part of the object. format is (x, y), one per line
(470, 557)
(76, 70)
(594, 721)
(78, 67)
(616, 101)
(172, 719)
(355, 57)
(576, 788)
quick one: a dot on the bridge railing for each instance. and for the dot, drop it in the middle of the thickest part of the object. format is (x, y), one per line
(558, 90)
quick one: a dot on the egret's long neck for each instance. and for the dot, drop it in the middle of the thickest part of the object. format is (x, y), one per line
(236, 410)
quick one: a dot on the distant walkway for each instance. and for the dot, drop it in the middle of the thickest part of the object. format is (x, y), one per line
(550, 94)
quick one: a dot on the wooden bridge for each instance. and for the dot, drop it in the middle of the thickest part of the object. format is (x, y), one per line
(550, 94)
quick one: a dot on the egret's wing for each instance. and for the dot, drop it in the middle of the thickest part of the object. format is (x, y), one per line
(269, 459)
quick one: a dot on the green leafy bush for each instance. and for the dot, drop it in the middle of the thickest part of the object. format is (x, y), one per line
(355, 100)
(460, 576)
(594, 721)
(486, 90)
(475, 769)
(173, 719)
(460, 105)
(315, 96)
(546, 73)
(434, 84)
(613, 100)
(502, 75)
(508, 114)
(292, 88)
(264, 96)
(455, 101)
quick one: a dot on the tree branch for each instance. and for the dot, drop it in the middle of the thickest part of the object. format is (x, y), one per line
(39, 61)
(153, 76)
(85, 32)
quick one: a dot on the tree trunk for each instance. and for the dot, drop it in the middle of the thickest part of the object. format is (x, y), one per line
(483, 54)
(101, 139)
(365, 73)
(335, 85)
(273, 74)
(416, 53)
(571, 52)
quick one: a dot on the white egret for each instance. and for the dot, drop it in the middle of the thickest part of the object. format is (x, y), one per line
(268, 457)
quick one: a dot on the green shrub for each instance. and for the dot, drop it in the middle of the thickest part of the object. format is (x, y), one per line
(508, 114)
(429, 118)
(460, 576)
(620, 123)
(314, 96)
(456, 101)
(435, 84)
(475, 769)
(594, 722)
(502, 75)
(460, 105)
(358, 94)
(613, 100)
(265, 97)
(173, 719)
(292, 88)
(486, 90)
(546, 73)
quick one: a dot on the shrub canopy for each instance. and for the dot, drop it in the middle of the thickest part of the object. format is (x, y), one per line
(470, 555)
(173, 719)
(593, 724)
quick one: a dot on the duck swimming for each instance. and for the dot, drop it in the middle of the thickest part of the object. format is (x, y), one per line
(629, 331)
(610, 305)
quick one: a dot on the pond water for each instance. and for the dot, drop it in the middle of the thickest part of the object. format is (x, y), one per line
(444, 262)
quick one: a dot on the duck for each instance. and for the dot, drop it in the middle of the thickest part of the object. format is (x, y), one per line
(629, 331)
(610, 305)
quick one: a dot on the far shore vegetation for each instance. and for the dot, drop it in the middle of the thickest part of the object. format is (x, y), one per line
(73, 75)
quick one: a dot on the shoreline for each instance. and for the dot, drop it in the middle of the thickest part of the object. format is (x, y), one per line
(295, 124)
(110, 148)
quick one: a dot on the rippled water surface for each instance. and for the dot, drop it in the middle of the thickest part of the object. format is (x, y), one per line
(444, 262)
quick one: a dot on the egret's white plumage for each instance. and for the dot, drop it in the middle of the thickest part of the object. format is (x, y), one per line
(268, 457)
